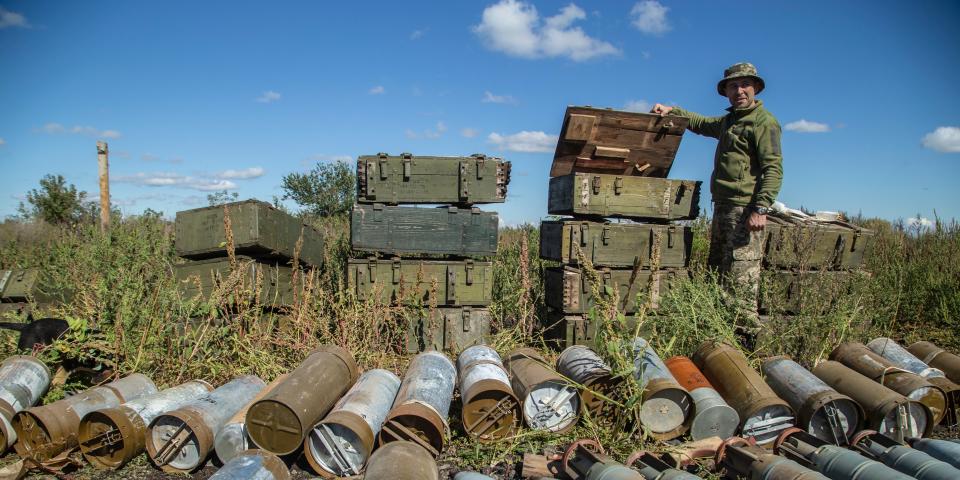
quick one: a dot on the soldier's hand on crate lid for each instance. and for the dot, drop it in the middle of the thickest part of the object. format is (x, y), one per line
(661, 109)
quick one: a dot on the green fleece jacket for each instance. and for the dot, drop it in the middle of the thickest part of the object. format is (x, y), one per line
(748, 165)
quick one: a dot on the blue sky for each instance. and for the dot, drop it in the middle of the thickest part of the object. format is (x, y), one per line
(199, 96)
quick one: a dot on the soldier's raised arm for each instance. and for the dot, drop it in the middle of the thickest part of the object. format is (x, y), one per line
(699, 124)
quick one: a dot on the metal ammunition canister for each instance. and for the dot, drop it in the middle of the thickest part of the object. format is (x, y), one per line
(946, 450)
(471, 476)
(23, 381)
(937, 357)
(586, 368)
(712, 417)
(860, 358)
(821, 411)
(180, 441)
(44, 432)
(763, 415)
(419, 413)
(902, 458)
(885, 410)
(490, 409)
(253, 464)
(340, 445)
(280, 422)
(401, 460)
(902, 358)
(548, 401)
(742, 459)
(233, 437)
(666, 408)
(586, 458)
(111, 437)
(832, 460)
(653, 468)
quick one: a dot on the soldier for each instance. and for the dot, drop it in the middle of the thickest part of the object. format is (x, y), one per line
(747, 173)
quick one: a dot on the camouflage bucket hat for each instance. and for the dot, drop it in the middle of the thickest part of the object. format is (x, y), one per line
(740, 70)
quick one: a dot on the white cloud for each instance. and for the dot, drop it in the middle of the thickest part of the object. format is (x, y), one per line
(2, 141)
(269, 97)
(642, 106)
(149, 157)
(805, 126)
(435, 132)
(56, 129)
(416, 34)
(12, 19)
(514, 27)
(524, 141)
(650, 17)
(491, 98)
(943, 139)
(172, 179)
(469, 132)
(377, 90)
(244, 174)
(919, 223)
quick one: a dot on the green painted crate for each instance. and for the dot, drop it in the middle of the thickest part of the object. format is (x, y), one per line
(641, 198)
(412, 230)
(267, 283)
(413, 281)
(616, 244)
(408, 178)
(805, 245)
(447, 328)
(569, 290)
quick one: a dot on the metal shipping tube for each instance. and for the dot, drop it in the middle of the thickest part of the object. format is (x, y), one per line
(937, 357)
(111, 437)
(46, 431)
(281, 420)
(902, 458)
(763, 415)
(253, 465)
(712, 416)
(653, 468)
(742, 459)
(471, 476)
(665, 408)
(885, 410)
(860, 358)
(233, 437)
(490, 409)
(584, 367)
(419, 413)
(902, 358)
(948, 451)
(821, 411)
(23, 381)
(586, 459)
(548, 401)
(401, 460)
(340, 445)
(833, 461)
(180, 441)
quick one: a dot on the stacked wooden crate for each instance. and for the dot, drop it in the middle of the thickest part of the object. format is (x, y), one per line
(611, 165)
(436, 261)
(265, 241)
(809, 259)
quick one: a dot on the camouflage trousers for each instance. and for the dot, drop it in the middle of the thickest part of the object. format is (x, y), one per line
(736, 254)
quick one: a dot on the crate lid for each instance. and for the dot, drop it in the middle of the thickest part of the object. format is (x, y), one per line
(600, 140)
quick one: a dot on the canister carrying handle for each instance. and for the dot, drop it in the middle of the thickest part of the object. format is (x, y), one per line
(336, 452)
(489, 418)
(105, 439)
(172, 447)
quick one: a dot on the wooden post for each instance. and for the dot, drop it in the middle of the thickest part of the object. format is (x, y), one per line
(102, 160)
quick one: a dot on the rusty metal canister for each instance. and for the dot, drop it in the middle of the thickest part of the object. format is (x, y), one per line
(253, 465)
(586, 458)
(653, 467)
(860, 358)
(547, 400)
(833, 461)
(111, 437)
(233, 437)
(884, 410)
(743, 459)
(490, 409)
(712, 416)
(948, 451)
(340, 445)
(23, 381)
(763, 415)
(902, 358)
(401, 460)
(821, 411)
(44, 432)
(585, 368)
(180, 441)
(419, 413)
(666, 408)
(929, 353)
(471, 476)
(902, 458)
(280, 422)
